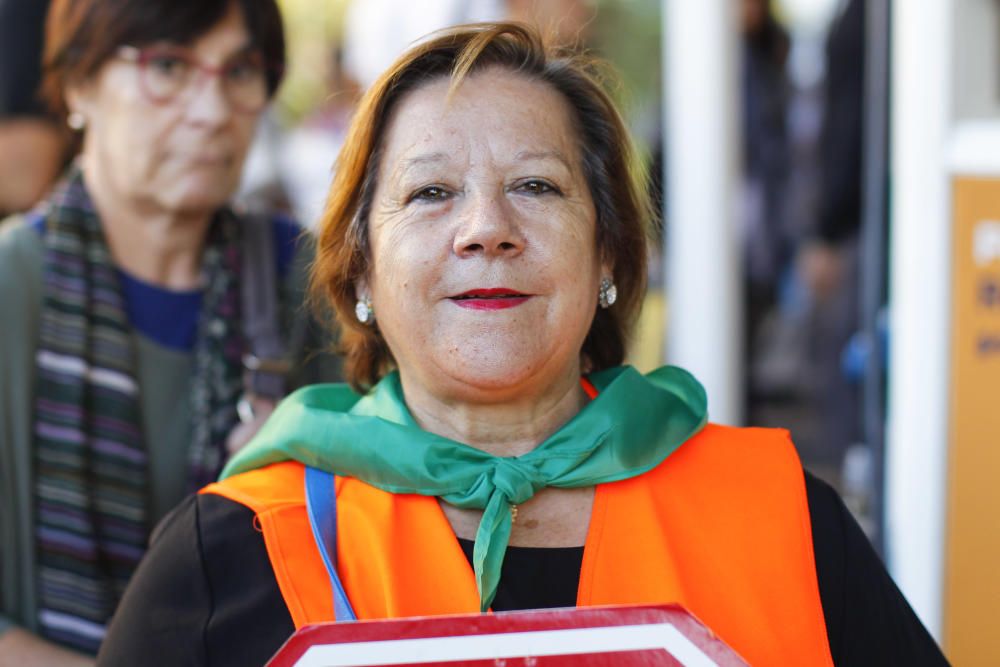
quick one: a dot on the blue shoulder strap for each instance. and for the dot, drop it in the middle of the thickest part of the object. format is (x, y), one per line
(321, 505)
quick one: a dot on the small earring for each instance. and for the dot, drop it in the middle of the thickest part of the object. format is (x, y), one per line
(363, 310)
(76, 120)
(607, 294)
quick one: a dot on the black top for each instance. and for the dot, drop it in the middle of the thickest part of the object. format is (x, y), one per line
(841, 137)
(190, 603)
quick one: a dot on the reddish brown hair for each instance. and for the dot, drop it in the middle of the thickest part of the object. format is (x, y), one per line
(619, 193)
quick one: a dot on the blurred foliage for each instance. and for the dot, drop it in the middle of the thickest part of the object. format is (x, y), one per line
(627, 33)
(313, 31)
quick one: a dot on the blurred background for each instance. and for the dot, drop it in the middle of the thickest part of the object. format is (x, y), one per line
(828, 256)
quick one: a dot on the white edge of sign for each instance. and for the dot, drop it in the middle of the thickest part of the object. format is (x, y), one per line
(540, 643)
(974, 148)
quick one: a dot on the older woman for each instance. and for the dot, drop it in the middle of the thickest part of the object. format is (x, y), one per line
(484, 247)
(123, 294)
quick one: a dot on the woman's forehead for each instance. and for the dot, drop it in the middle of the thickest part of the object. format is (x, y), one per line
(495, 110)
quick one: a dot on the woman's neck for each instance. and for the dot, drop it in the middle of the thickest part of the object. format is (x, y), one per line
(155, 245)
(505, 428)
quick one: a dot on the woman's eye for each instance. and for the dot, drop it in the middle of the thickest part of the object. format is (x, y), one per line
(244, 71)
(431, 193)
(536, 187)
(167, 65)
(239, 72)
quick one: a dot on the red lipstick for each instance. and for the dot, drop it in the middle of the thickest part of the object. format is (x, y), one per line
(490, 298)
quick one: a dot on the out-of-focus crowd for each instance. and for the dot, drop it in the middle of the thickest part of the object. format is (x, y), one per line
(156, 198)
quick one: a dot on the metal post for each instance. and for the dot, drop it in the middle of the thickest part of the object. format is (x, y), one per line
(874, 214)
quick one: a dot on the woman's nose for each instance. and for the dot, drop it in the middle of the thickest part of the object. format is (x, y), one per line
(488, 227)
(207, 102)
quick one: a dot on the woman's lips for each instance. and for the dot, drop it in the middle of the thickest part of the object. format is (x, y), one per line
(490, 298)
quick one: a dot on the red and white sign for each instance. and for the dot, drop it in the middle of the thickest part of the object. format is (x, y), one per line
(629, 635)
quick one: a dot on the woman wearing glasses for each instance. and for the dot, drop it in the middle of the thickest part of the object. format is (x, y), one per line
(126, 298)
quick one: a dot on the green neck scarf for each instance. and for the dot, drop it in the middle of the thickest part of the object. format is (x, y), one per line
(633, 424)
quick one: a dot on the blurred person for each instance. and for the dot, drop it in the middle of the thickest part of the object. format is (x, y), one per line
(829, 259)
(766, 159)
(33, 146)
(841, 138)
(484, 248)
(132, 297)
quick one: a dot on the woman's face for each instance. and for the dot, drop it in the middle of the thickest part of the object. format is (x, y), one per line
(184, 155)
(485, 272)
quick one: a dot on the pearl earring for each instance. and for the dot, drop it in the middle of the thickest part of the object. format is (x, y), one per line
(607, 294)
(363, 310)
(76, 120)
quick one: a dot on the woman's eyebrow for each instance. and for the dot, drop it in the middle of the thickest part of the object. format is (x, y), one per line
(410, 163)
(525, 156)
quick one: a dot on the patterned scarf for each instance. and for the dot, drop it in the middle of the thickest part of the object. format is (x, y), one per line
(91, 478)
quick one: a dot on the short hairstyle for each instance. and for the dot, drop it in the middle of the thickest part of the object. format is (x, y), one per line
(617, 185)
(82, 35)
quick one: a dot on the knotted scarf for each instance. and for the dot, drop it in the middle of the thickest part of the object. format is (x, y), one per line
(90, 461)
(633, 424)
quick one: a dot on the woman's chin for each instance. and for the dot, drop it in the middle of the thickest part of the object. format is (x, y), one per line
(495, 376)
(196, 192)
(197, 200)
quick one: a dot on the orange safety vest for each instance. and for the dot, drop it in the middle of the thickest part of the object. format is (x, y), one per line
(721, 527)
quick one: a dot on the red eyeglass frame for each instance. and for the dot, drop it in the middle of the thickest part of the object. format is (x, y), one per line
(142, 56)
